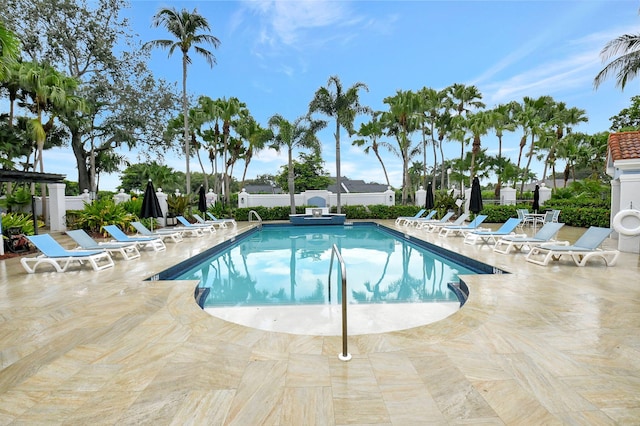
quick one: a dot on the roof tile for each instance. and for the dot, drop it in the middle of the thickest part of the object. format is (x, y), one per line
(624, 145)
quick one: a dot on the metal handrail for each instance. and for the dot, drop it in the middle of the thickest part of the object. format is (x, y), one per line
(255, 213)
(345, 355)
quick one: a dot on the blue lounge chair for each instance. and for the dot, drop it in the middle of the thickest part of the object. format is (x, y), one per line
(417, 215)
(60, 258)
(520, 241)
(423, 223)
(413, 220)
(224, 220)
(202, 221)
(585, 248)
(433, 226)
(163, 234)
(200, 226)
(490, 236)
(116, 233)
(462, 229)
(85, 242)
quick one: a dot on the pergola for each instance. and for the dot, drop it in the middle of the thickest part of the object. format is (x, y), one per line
(30, 177)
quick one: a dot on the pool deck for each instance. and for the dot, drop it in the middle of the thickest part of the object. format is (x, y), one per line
(543, 345)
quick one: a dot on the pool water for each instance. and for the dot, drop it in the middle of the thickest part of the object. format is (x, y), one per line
(289, 265)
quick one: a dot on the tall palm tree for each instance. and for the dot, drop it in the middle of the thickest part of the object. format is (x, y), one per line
(626, 50)
(373, 130)
(186, 28)
(500, 119)
(228, 111)
(478, 125)
(343, 106)
(299, 134)
(256, 137)
(401, 121)
(9, 50)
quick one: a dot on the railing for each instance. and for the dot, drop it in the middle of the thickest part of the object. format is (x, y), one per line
(345, 355)
(258, 218)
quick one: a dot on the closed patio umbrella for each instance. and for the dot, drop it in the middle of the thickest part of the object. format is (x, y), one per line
(150, 205)
(536, 199)
(475, 201)
(202, 200)
(429, 203)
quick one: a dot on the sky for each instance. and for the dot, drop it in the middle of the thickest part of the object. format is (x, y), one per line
(274, 55)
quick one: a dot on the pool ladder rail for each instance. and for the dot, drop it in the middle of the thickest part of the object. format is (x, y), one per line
(345, 355)
(253, 213)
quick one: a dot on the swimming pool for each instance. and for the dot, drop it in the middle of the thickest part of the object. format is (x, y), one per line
(288, 265)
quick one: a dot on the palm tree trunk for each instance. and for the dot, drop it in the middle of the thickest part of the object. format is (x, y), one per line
(384, 169)
(185, 113)
(291, 184)
(338, 178)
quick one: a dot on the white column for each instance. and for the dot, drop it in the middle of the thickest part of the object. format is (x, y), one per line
(57, 207)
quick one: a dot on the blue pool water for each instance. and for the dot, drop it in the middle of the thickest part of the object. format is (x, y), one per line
(285, 265)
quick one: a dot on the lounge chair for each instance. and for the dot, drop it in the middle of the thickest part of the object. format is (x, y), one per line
(433, 226)
(163, 234)
(232, 221)
(200, 220)
(60, 258)
(490, 236)
(152, 242)
(202, 227)
(399, 219)
(585, 248)
(413, 221)
(520, 241)
(445, 231)
(423, 223)
(85, 242)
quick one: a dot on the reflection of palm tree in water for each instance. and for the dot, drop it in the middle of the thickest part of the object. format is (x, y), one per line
(375, 289)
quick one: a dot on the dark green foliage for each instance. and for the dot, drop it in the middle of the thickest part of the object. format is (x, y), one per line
(19, 220)
(356, 212)
(498, 214)
(98, 214)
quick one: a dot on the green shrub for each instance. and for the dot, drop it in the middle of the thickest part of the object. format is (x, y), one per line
(19, 220)
(98, 214)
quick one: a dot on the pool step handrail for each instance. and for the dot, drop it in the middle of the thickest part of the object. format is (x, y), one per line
(258, 218)
(345, 355)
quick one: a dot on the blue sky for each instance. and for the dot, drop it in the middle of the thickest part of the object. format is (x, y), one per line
(274, 55)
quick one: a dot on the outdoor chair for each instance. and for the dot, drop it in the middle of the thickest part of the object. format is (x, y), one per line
(60, 258)
(417, 215)
(201, 226)
(163, 234)
(413, 221)
(202, 221)
(421, 223)
(584, 249)
(151, 242)
(448, 230)
(490, 236)
(85, 242)
(225, 220)
(433, 226)
(520, 241)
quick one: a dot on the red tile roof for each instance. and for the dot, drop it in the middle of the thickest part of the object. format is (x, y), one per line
(624, 145)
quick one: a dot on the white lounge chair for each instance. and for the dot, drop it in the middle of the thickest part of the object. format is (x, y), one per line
(60, 258)
(521, 241)
(163, 234)
(490, 236)
(220, 223)
(448, 230)
(584, 249)
(400, 219)
(424, 223)
(232, 221)
(437, 226)
(188, 225)
(85, 242)
(413, 221)
(116, 233)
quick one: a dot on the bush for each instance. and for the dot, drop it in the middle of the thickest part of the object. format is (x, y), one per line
(98, 214)
(19, 220)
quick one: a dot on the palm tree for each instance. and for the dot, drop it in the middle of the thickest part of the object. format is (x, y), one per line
(228, 110)
(373, 130)
(299, 134)
(9, 50)
(256, 137)
(626, 65)
(500, 120)
(478, 125)
(185, 26)
(343, 106)
(401, 121)
(462, 99)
